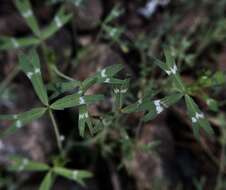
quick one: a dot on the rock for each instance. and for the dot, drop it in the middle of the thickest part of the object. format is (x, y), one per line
(150, 168)
(87, 17)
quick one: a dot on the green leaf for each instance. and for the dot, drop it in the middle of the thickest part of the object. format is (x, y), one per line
(26, 11)
(84, 120)
(213, 105)
(61, 87)
(115, 13)
(14, 43)
(106, 74)
(75, 175)
(113, 33)
(22, 119)
(87, 83)
(24, 164)
(60, 19)
(172, 99)
(47, 181)
(75, 100)
(171, 69)
(197, 117)
(153, 108)
(30, 64)
(169, 58)
(120, 92)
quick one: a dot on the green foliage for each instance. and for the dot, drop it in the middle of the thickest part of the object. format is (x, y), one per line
(20, 164)
(30, 65)
(197, 117)
(40, 35)
(66, 92)
(47, 181)
(75, 175)
(19, 120)
(26, 11)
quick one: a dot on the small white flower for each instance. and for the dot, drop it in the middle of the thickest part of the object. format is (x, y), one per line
(199, 115)
(116, 91)
(37, 70)
(107, 80)
(18, 124)
(103, 73)
(79, 92)
(62, 138)
(86, 115)
(123, 91)
(157, 102)
(159, 109)
(27, 14)
(193, 119)
(81, 100)
(58, 22)
(168, 72)
(172, 70)
(29, 75)
(158, 106)
(113, 32)
(81, 116)
(140, 101)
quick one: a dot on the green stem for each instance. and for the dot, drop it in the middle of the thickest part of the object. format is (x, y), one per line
(55, 69)
(56, 130)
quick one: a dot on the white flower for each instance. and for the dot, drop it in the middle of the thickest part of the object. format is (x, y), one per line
(81, 100)
(103, 73)
(58, 22)
(27, 14)
(18, 124)
(158, 106)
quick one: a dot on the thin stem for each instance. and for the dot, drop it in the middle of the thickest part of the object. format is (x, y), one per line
(9, 78)
(55, 69)
(56, 130)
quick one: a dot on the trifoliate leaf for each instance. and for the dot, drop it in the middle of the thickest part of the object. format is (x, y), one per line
(171, 69)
